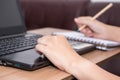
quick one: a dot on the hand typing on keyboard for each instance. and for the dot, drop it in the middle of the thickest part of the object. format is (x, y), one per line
(58, 50)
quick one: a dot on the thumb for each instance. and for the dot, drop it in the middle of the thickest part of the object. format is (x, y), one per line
(84, 21)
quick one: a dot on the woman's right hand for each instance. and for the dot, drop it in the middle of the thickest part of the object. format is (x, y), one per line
(94, 28)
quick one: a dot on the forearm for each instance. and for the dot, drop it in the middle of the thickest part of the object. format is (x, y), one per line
(86, 70)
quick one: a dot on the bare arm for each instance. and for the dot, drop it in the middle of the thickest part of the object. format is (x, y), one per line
(61, 54)
(89, 71)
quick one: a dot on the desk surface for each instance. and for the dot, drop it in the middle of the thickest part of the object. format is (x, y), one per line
(49, 72)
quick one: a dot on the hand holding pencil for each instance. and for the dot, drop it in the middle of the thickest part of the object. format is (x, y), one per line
(98, 14)
(94, 27)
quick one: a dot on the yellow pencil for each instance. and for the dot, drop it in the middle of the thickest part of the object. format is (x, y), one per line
(98, 14)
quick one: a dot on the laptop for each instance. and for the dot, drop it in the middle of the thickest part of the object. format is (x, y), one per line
(17, 46)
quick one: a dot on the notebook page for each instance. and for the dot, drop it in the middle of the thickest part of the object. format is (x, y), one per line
(81, 37)
(68, 34)
(96, 41)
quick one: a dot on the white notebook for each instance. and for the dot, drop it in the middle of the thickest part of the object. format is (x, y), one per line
(100, 43)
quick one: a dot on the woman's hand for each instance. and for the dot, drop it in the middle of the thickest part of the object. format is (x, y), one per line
(58, 51)
(94, 28)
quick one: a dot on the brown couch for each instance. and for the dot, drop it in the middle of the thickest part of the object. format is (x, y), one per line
(112, 16)
(52, 13)
(61, 13)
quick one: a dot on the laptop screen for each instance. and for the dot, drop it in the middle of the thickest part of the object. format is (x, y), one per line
(11, 20)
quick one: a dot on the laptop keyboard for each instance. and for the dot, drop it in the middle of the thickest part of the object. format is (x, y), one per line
(19, 43)
(28, 41)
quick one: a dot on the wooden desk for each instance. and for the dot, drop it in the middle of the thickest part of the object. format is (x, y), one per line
(50, 73)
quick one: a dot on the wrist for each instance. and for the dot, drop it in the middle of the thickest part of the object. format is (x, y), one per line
(79, 67)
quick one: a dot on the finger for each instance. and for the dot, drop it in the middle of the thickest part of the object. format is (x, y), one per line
(78, 20)
(84, 17)
(44, 39)
(84, 21)
(60, 37)
(44, 50)
(85, 30)
(41, 48)
(89, 33)
(89, 30)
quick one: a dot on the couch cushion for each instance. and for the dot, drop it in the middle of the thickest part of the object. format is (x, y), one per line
(52, 13)
(112, 16)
